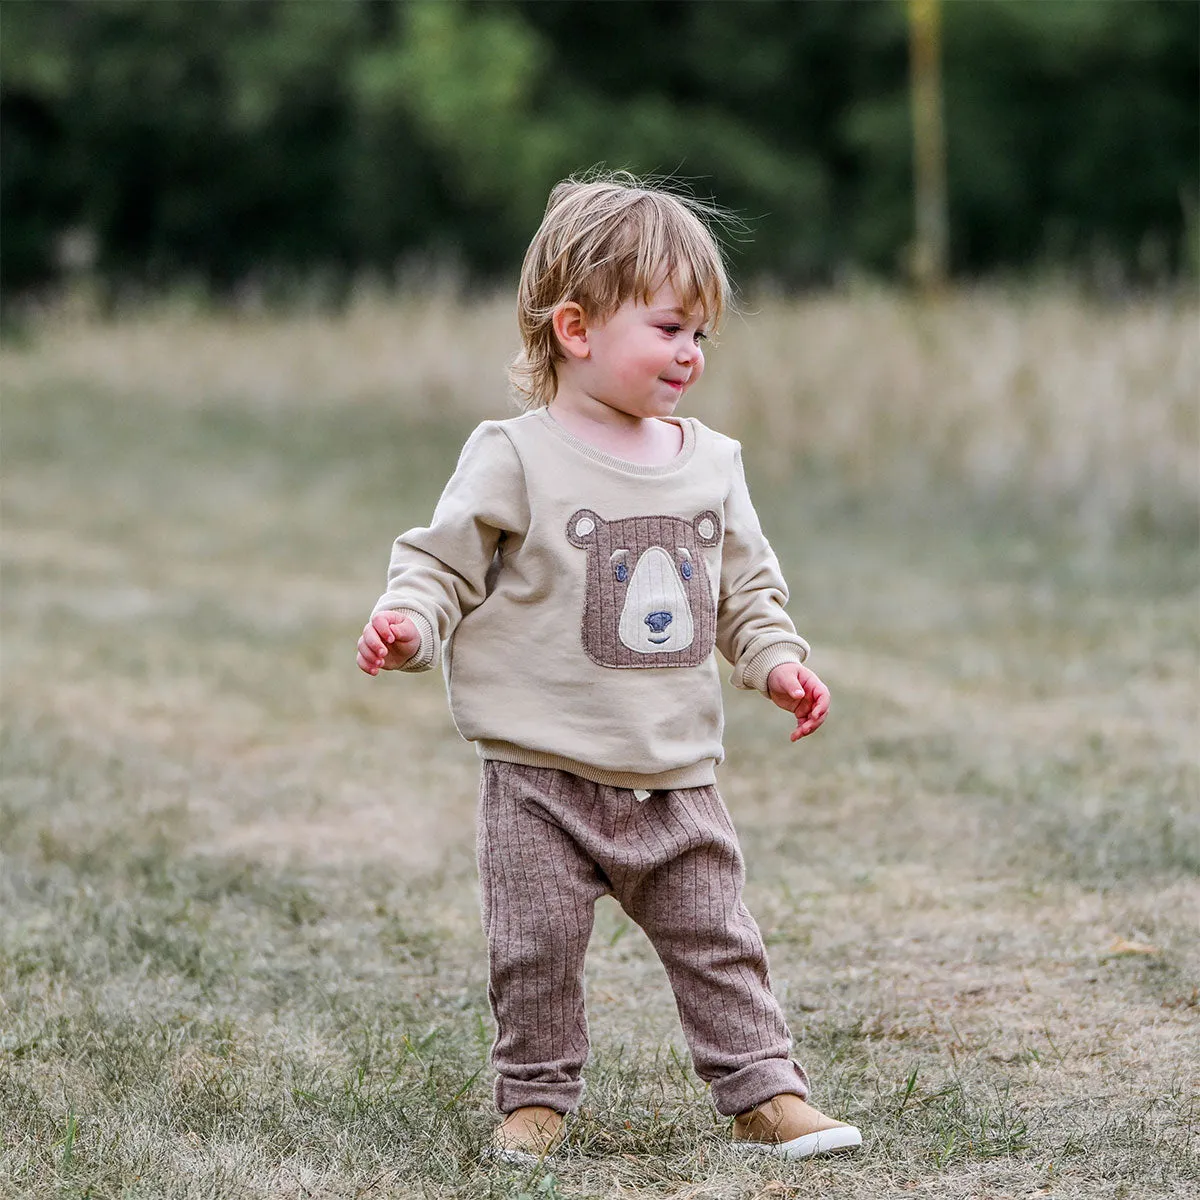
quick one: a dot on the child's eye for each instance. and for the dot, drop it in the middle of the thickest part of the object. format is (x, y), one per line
(673, 331)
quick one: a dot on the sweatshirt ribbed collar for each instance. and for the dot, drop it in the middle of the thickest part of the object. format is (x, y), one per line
(687, 424)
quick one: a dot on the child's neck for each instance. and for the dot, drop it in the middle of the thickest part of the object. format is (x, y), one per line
(647, 441)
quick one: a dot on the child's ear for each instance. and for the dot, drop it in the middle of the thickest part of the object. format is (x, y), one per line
(570, 328)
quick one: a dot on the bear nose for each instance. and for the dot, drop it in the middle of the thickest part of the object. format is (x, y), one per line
(658, 621)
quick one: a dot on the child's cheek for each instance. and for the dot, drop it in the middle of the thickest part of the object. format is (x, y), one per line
(633, 373)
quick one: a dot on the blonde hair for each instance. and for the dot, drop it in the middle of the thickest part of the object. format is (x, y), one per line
(606, 239)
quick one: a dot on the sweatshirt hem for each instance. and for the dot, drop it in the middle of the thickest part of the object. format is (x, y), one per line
(701, 774)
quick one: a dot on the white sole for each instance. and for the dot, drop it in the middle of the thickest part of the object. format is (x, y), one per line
(824, 1141)
(520, 1158)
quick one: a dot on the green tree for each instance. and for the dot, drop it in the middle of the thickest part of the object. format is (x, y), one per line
(222, 140)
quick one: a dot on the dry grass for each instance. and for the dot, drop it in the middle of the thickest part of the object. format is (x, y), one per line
(1063, 408)
(239, 942)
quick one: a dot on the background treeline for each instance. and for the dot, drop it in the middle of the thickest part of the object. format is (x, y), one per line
(278, 141)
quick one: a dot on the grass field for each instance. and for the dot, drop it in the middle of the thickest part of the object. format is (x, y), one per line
(240, 951)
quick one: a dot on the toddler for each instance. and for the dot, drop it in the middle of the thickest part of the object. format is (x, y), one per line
(581, 566)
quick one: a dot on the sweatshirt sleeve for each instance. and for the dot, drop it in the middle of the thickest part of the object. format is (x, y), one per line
(753, 631)
(440, 573)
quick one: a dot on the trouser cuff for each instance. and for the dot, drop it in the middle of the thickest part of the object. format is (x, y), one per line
(520, 1093)
(752, 1085)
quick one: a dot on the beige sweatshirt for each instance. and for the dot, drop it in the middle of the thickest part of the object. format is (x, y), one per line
(574, 601)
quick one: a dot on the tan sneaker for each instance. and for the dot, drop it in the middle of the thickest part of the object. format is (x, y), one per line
(786, 1127)
(527, 1135)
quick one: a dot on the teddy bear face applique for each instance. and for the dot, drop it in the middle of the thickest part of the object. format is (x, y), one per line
(648, 600)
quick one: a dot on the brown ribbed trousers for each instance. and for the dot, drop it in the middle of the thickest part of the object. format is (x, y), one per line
(550, 845)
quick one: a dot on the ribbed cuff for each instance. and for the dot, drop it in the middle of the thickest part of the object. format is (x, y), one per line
(562, 1096)
(755, 673)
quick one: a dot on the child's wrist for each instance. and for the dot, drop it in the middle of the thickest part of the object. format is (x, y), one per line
(758, 670)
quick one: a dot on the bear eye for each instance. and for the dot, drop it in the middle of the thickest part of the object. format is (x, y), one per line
(685, 569)
(622, 572)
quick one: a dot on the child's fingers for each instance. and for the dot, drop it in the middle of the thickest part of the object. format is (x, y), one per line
(371, 650)
(388, 641)
(401, 631)
(806, 726)
(384, 625)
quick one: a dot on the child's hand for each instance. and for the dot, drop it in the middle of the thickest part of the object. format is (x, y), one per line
(389, 640)
(796, 688)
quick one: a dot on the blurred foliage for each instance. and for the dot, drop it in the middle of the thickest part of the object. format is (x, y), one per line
(220, 141)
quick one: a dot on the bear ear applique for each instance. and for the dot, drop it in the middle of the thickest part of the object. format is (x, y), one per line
(707, 527)
(582, 527)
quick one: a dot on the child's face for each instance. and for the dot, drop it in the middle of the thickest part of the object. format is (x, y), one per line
(645, 356)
